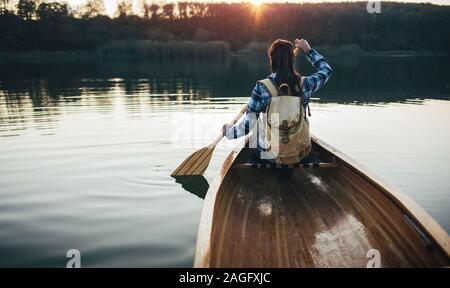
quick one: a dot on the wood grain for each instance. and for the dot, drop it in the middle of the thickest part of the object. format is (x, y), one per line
(317, 218)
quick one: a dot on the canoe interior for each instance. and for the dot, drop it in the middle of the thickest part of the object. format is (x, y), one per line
(316, 218)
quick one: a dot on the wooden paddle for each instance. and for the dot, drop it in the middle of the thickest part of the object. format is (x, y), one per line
(198, 161)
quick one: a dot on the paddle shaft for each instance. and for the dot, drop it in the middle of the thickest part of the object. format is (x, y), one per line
(234, 121)
(198, 161)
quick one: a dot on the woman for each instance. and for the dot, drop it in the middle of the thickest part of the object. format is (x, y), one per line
(281, 56)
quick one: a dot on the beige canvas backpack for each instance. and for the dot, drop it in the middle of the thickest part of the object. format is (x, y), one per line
(287, 135)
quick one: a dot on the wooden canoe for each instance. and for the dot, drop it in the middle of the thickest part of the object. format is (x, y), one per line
(330, 217)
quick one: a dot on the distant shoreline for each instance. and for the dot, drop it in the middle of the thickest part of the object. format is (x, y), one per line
(197, 31)
(188, 51)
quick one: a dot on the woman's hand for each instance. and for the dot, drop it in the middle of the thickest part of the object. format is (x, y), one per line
(303, 45)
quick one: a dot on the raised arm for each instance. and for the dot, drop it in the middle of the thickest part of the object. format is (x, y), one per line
(315, 81)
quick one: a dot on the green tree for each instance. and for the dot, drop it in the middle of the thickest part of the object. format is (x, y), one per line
(168, 11)
(94, 8)
(124, 8)
(182, 10)
(199, 9)
(4, 6)
(146, 8)
(154, 8)
(52, 10)
(401, 26)
(26, 9)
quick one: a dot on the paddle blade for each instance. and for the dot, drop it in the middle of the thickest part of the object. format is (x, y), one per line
(195, 164)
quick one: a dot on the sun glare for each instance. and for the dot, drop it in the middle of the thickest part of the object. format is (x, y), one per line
(256, 3)
(110, 7)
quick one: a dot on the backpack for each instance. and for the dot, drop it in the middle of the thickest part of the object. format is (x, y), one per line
(287, 135)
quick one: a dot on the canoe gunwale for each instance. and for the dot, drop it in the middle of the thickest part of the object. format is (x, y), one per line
(411, 209)
(203, 244)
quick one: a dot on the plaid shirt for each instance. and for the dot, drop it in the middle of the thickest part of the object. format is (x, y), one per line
(260, 96)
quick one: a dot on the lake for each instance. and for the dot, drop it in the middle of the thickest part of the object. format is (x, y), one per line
(86, 150)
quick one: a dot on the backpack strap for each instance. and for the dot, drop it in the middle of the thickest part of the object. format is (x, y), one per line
(270, 86)
(288, 88)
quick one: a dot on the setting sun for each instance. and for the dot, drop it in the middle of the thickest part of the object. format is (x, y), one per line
(256, 2)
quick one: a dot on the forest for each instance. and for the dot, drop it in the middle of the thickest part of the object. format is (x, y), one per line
(52, 26)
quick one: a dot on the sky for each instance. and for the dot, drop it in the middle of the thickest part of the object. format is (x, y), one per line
(111, 5)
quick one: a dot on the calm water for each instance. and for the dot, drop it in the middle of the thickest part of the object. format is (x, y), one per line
(86, 150)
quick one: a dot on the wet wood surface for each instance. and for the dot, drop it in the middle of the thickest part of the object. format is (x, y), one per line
(316, 218)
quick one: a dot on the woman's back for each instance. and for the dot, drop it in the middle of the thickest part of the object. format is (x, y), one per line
(281, 54)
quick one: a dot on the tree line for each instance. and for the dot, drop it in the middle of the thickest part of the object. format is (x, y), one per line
(54, 26)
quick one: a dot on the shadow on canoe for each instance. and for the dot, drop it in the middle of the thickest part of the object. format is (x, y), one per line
(319, 217)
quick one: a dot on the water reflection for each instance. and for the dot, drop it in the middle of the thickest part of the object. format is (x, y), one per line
(40, 93)
(86, 150)
(197, 185)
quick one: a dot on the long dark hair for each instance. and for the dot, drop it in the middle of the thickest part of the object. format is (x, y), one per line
(281, 55)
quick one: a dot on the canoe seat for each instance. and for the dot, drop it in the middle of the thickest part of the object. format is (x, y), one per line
(311, 161)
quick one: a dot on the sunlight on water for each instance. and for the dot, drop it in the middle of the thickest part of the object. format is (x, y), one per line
(85, 157)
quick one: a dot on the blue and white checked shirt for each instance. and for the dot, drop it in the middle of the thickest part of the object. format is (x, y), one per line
(260, 97)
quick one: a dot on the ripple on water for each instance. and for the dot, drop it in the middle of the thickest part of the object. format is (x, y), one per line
(85, 162)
